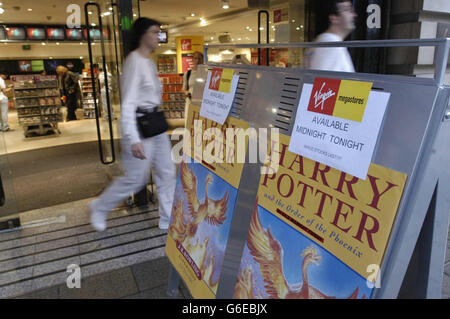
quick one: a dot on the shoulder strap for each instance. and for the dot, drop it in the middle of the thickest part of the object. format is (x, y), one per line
(188, 75)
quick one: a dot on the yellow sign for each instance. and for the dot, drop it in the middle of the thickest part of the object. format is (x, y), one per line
(225, 82)
(217, 148)
(352, 100)
(186, 46)
(350, 217)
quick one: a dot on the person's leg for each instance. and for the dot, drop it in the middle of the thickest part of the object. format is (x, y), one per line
(134, 179)
(164, 172)
(71, 107)
(105, 105)
(4, 106)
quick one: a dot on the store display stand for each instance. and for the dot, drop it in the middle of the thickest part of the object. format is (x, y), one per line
(88, 96)
(38, 103)
(173, 97)
(412, 141)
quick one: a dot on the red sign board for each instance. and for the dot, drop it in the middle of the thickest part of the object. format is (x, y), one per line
(324, 96)
(216, 75)
(186, 45)
(277, 16)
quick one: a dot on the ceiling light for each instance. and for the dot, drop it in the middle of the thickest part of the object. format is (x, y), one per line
(29, 9)
(239, 39)
(2, 10)
(192, 14)
(1, 4)
(134, 15)
(90, 12)
(57, 43)
(51, 57)
(212, 38)
(225, 4)
(107, 13)
(81, 43)
(202, 22)
(261, 28)
(247, 27)
(93, 24)
(110, 8)
(81, 57)
(43, 43)
(297, 28)
(250, 29)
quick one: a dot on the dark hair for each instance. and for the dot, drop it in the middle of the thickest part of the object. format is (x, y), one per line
(325, 8)
(201, 57)
(140, 26)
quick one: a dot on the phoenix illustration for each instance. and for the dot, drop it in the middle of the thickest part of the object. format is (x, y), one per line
(268, 253)
(183, 230)
(213, 211)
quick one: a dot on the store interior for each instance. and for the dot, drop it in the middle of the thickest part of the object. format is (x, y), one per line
(35, 39)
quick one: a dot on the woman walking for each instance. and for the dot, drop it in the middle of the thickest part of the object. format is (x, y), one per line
(140, 88)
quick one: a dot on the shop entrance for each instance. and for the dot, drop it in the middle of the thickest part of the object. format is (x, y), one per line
(46, 160)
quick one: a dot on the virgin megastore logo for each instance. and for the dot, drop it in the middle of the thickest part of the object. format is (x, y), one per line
(340, 98)
(221, 80)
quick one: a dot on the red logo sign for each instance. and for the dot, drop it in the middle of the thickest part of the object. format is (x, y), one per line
(186, 45)
(324, 96)
(277, 16)
(216, 75)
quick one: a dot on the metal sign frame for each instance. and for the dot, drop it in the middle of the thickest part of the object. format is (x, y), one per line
(413, 133)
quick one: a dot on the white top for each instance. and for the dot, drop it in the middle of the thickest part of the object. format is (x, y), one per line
(329, 59)
(139, 87)
(2, 86)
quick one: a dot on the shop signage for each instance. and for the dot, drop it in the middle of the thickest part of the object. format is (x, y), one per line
(203, 207)
(186, 44)
(24, 66)
(338, 123)
(218, 95)
(340, 226)
(280, 15)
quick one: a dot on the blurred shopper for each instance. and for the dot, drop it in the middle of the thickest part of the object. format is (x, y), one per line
(101, 79)
(4, 102)
(70, 91)
(140, 90)
(341, 22)
(189, 79)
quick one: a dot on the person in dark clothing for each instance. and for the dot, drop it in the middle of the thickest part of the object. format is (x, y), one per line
(70, 90)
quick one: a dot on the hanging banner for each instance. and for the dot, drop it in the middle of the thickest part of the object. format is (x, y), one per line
(204, 202)
(338, 123)
(218, 95)
(317, 232)
(186, 46)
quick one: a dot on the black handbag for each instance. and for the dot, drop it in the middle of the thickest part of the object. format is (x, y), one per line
(152, 122)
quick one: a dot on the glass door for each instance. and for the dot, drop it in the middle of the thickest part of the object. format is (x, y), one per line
(80, 161)
(102, 21)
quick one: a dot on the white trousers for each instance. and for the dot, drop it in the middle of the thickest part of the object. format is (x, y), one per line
(105, 105)
(4, 105)
(158, 152)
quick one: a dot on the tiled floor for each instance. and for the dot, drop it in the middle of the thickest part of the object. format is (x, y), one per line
(146, 280)
(37, 258)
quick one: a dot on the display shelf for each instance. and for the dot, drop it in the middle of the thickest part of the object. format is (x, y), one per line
(87, 91)
(173, 97)
(42, 113)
